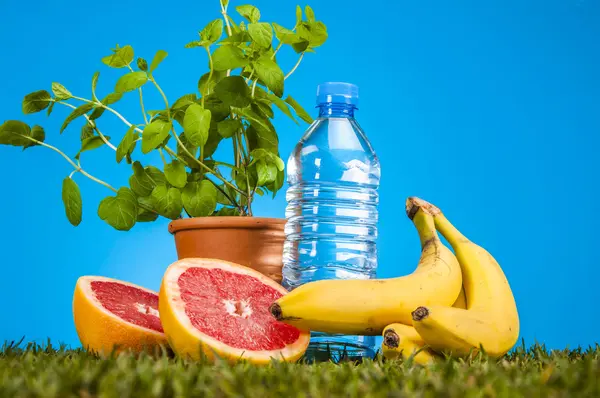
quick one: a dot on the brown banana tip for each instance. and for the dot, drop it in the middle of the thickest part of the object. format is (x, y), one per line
(413, 204)
(420, 313)
(391, 338)
(275, 310)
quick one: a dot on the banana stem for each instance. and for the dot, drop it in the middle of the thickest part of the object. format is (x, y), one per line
(425, 226)
(449, 231)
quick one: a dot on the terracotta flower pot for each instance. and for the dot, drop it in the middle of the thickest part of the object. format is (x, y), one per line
(251, 241)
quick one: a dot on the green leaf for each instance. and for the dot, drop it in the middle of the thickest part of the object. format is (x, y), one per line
(204, 84)
(50, 108)
(255, 119)
(212, 31)
(214, 139)
(184, 101)
(157, 176)
(310, 15)
(233, 91)
(261, 33)
(259, 137)
(226, 212)
(298, 15)
(36, 101)
(318, 34)
(99, 111)
(228, 57)
(251, 13)
(167, 201)
(37, 133)
(261, 154)
(302, 114)
(142, 64)
(227, 128)
(237, 38)
(60, 92)
(143, 214)
(120, 58)
(127, 144)
(86, 131)
(301, 46)
(94, 84)
(154, 134)
(176, 174)
(196, 124)
(262, 106)
(77, 112)
(131, 81)
(266, 172)
(112, 98)
(218, 109)
(191, 148)
(200, 198)
(277, 184)
(315, 33)
(119, 211)
(224, 200)
(14, 132)
(158, 58)
(141, 181)
(197, 43)
(71, 197)
(270, 73)
(91, 143)
(286, 36)
(283, 106)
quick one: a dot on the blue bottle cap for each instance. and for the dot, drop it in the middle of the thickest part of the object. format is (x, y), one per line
(337, 93)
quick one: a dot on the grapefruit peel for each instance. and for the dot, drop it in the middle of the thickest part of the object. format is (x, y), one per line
(103, 332)
(189, 342)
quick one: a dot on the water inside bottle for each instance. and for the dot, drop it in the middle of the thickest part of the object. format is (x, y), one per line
(331, 231)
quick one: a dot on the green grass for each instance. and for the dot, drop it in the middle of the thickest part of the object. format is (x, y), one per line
(44, 371)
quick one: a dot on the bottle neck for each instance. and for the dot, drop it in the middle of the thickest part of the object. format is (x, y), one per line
(336, 110)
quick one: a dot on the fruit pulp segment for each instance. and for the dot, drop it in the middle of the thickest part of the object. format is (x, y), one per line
(129, 303)
(233, 308)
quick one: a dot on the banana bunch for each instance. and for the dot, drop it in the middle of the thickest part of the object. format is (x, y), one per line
(452, 303)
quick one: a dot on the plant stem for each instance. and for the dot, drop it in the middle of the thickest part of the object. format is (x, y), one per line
(228, 27)
(276, 50)
(91, 123)
(187, 152)
(254, 87)
(162, 155)
(68, 159)
(142, 105)
(295, 67)
(210, 74)
(141, 99)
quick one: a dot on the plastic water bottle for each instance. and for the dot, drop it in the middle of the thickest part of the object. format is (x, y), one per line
(331, 230)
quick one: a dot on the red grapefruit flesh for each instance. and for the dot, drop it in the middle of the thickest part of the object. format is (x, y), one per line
(114, 315)
(221, 309)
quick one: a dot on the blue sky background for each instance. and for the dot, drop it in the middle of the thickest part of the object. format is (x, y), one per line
(490, 109)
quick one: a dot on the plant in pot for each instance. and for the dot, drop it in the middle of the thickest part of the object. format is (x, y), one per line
(209, 200)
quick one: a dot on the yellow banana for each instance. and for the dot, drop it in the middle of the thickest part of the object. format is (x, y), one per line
(365, 307)
(461, 301)
(400, 340)
(490, 319)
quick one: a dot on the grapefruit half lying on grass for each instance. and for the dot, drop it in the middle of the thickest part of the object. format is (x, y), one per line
(114, 315)
(219, 309)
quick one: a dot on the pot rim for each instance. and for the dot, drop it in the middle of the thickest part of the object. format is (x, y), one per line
(244, 222)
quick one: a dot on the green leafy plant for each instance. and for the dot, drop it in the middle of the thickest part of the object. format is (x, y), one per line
(228, 108)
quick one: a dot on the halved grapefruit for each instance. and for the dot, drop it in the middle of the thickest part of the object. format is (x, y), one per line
(114, 315)
(220, 309)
